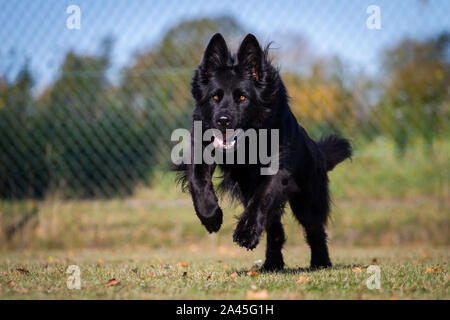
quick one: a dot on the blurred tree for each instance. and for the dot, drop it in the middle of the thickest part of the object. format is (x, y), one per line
(416, 90)
(24, 168)
(98, 149)
(322, 99)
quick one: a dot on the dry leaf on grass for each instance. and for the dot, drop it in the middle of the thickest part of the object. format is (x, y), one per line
(22, 269)
(257, 295)
(183, 264)
(357, 269)
(252, 273)
(303, 279)
(10, 283)
(429, 270)
(112, 282)
(234, 275)
(438, 269)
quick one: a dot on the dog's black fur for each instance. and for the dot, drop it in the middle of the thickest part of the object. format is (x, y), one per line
(302, 177)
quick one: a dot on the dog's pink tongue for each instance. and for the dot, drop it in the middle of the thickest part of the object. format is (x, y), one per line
(219, 141)
(216, 142)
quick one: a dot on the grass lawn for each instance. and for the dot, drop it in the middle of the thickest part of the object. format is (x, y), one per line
(396, 211)
(222, 272)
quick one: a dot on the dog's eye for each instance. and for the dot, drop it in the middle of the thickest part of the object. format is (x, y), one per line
(242, 98)
(215, 97)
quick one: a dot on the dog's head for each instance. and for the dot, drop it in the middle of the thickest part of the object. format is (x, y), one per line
(234, 91)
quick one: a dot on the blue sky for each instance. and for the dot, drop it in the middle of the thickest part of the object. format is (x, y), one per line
(36, 29)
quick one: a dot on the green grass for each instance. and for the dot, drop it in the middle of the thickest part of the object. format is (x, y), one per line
(209, 273)
(385, 208)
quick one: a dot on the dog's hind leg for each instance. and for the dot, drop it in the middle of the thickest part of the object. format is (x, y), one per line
(275, 241)
(313, 221)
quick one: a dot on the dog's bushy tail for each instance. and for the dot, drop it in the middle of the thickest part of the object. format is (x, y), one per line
(336, 150)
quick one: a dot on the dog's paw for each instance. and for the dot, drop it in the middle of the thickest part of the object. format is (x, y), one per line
(214, 222)
(246, 234)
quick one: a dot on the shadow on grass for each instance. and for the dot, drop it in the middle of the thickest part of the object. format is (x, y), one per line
(297, 270)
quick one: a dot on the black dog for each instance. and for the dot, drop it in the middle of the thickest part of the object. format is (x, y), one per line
(245, 91)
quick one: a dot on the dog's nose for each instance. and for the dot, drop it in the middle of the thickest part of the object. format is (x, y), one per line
(223, 122)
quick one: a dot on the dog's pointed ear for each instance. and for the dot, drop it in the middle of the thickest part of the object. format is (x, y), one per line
(216, 54)
(250, 56)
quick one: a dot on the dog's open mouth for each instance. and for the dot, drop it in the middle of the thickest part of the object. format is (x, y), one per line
(224, 141)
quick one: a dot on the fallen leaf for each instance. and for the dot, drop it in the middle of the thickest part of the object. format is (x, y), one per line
(234, 275)
(303, 279)
(112, 282)
(10, 283)
(257, 295)
(356, 269)
(252, 273)
(429, 270)
(22, 269)
(183, 264)
(439, 269)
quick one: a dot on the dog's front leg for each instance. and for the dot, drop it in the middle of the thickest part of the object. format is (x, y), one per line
(203, 196)
(270, 195)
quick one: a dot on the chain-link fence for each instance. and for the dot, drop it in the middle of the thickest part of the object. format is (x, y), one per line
(90, 91)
